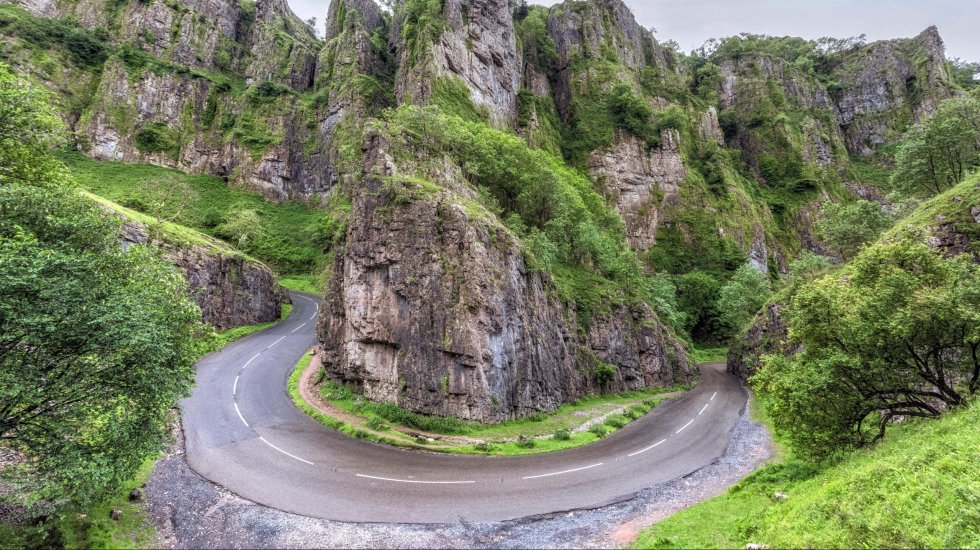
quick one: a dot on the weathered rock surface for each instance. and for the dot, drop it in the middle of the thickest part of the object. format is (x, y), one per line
(888, 85)
(478, 47)
(641, 180)
(433, 308)
(231, 290)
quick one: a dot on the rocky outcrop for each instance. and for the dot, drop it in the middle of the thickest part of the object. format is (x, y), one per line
(641, 181)
(230, 289)
(431, 306)
(768, 334)
(478, 46)
(886, 86)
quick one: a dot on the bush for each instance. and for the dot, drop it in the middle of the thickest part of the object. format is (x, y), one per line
(563, 434)
(266, 91)
(526, 442)
(599, 430)
(616, 421)
(435, 424)
(376, 424)
(604, 373)
(157, 138)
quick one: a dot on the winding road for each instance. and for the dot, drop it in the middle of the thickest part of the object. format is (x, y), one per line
(243, 432)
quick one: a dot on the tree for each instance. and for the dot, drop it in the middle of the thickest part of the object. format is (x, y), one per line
(965, 73)
(742, 297)
(697, 296)
(96, 344)
(937, 154)
(895, 335)
(847, 227)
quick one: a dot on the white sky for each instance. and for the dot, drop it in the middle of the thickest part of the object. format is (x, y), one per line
(691, 22)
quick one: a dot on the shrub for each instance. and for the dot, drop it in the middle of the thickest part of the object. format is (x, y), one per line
(604, 373)
(266, 91)
(526, 442)
(563, 434)
(157, 138)
(376, 424)
(616, 421)
(599, 430)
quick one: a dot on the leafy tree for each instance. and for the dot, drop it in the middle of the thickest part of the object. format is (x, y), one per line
(895, 335)
(804, 269)
(632, 114)
(96, 344)
(241, 227)
(742, 296)
(847, 227)
(29, 128)
(965, 73)
(697, 296)
(939, 153)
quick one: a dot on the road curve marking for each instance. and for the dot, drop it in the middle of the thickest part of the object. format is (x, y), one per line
(315, 311)
(276, 342)
(713, 396)
(414, 480)
(240, 415)
(254, 357)
(563, 472)
(234, 389)
(284, 452)
(297, 328)
(685, 425)
(648, 448)
(703, 409)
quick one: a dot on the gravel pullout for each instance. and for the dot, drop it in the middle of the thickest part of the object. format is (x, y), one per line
(191, 512)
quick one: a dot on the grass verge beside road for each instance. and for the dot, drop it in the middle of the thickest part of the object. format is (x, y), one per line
(572, 425)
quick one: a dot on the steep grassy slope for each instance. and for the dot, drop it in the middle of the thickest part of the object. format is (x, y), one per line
(919, 488)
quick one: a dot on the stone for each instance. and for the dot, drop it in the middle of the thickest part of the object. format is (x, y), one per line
(780, 496)
(136, 495)
(115, 514)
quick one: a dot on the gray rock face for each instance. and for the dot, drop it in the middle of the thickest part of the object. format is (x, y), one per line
(888, 85)
(479, 47)
(231, 290)
(768, 334)
(433, 308)
(641, 181)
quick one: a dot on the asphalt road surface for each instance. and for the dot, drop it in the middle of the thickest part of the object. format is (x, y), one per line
(243, 432)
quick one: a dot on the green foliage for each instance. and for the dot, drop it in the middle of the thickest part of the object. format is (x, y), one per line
(157, 137)
(599, 430)
(939, 153)
(894, 335)
(966, 74)
(697, 297)
(563, 434)
(634, 115)
(85, 47)
(98, 344)
(422, 24)
(265, 92)
(29, 128)
(536, 43)
(845, 227)
(287, 237)
(452, 96)
(526, 442)
(616, 421)
(804, 269)
(916, 490)
(435, 424)
(744, 294)
(604, 373)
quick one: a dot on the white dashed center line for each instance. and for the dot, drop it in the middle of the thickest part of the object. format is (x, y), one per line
(414, 480)
(284, 452)
(240, 415)
(685, 425)
(297, 328)
(256, 356)
(564, 471)
(315, 311)
(702, 409)
(713, 396)
(648, 448)
(276, 342)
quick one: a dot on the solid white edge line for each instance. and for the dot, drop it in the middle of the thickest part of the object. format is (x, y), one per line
(563, 472)
(256, 356)
(297, 328)
(284, 452)
(240, 415)
(414, 480)
(276, 342)
(234, 389)
(703, 409)
(315, 311)
(685, 425)
(648, 448)
(713, 396)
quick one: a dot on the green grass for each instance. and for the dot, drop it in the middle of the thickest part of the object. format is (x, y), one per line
(498, 439)
(302, 283)
(220, 339)
(286, 236)
(92, 528)
(919, 488)
(705, 354)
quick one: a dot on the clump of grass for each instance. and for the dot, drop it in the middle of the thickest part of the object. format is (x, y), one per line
(616, 421)
(599, 430)
(526, 442)
(484, 447)
(436, 424)
(563, 434)
(376, 424)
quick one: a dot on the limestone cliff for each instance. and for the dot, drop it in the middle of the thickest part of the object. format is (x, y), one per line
(433, 307)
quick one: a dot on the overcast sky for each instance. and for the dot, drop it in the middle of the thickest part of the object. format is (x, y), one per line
(691, 22)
